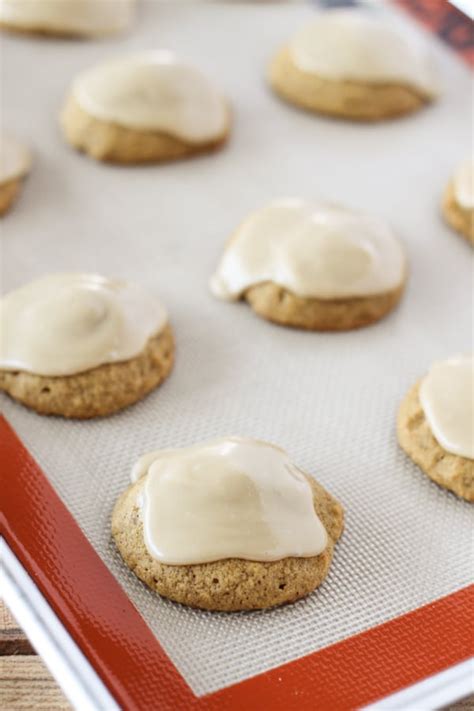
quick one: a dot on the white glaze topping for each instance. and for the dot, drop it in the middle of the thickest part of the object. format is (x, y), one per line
(153, 91)
(63, 324)
(228, 498)
(361, 46)
(313, 249)
(83, 17)
(15, 159)
(447, 399)
(464, 185)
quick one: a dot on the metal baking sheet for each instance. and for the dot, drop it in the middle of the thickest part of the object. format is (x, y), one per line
(329, 399)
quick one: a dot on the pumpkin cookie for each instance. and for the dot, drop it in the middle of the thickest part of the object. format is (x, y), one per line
(353, 65)
(145, 108)
(15, 164)
(226, 555)
(436, 425)
(80, 345)
(66, 18)
(458, 202)
(313, 265)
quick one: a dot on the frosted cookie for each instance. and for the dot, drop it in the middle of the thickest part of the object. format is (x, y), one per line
(436, 425)
(313, 265)
(66, 18)
(458, 201)
(15, 164)
(81, 345)
(354, 65)
(230, 524)
(144, 108)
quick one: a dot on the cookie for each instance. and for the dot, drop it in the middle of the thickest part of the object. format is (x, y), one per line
(146, 108)
(230, 583)
(97, 392)
(15, 164)
(313, 265)
(458, 202)
(351, 64)
(8, 194)
(82, 346)
(279, 305)
(449, 469)
(71, 18)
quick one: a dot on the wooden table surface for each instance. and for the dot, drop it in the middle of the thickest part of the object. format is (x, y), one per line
(25, 683)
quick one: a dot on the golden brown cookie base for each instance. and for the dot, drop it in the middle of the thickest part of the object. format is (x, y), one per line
(415, 437)
(117, 144)
(8, 194)
(344, 99)
(458, 217)
(53, 32)
(231, 584)
(277, 304)
(97, 392)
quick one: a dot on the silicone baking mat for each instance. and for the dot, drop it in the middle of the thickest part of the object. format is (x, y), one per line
(329, 399)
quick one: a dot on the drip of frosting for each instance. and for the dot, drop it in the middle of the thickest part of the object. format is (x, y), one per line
(228, 498)
(312, 249)
(447, 399)
(464, 186)
(153, 91)
(15, 159)
(360, 46)
(83, 17)
(63, 324)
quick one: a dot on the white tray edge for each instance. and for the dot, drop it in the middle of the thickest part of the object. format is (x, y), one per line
(86, 692)
(68, 665)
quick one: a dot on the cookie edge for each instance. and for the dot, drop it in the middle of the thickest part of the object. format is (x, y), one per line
(411, 411)
(279, 305)
(457, 217)
(82, 131)
(371, 102)
(160, 348)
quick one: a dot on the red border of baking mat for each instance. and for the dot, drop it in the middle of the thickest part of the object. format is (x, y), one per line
(114, 637)
(445, 20)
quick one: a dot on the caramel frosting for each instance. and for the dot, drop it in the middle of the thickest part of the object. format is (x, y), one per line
(228, 498)
(64, 324)
(447, 399)
(15, 159)
(153, 91)
(463, 183)
(361, 46)
(313, 249)
(82, 17)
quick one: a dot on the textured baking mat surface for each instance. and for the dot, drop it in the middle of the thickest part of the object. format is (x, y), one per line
(330, 400)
